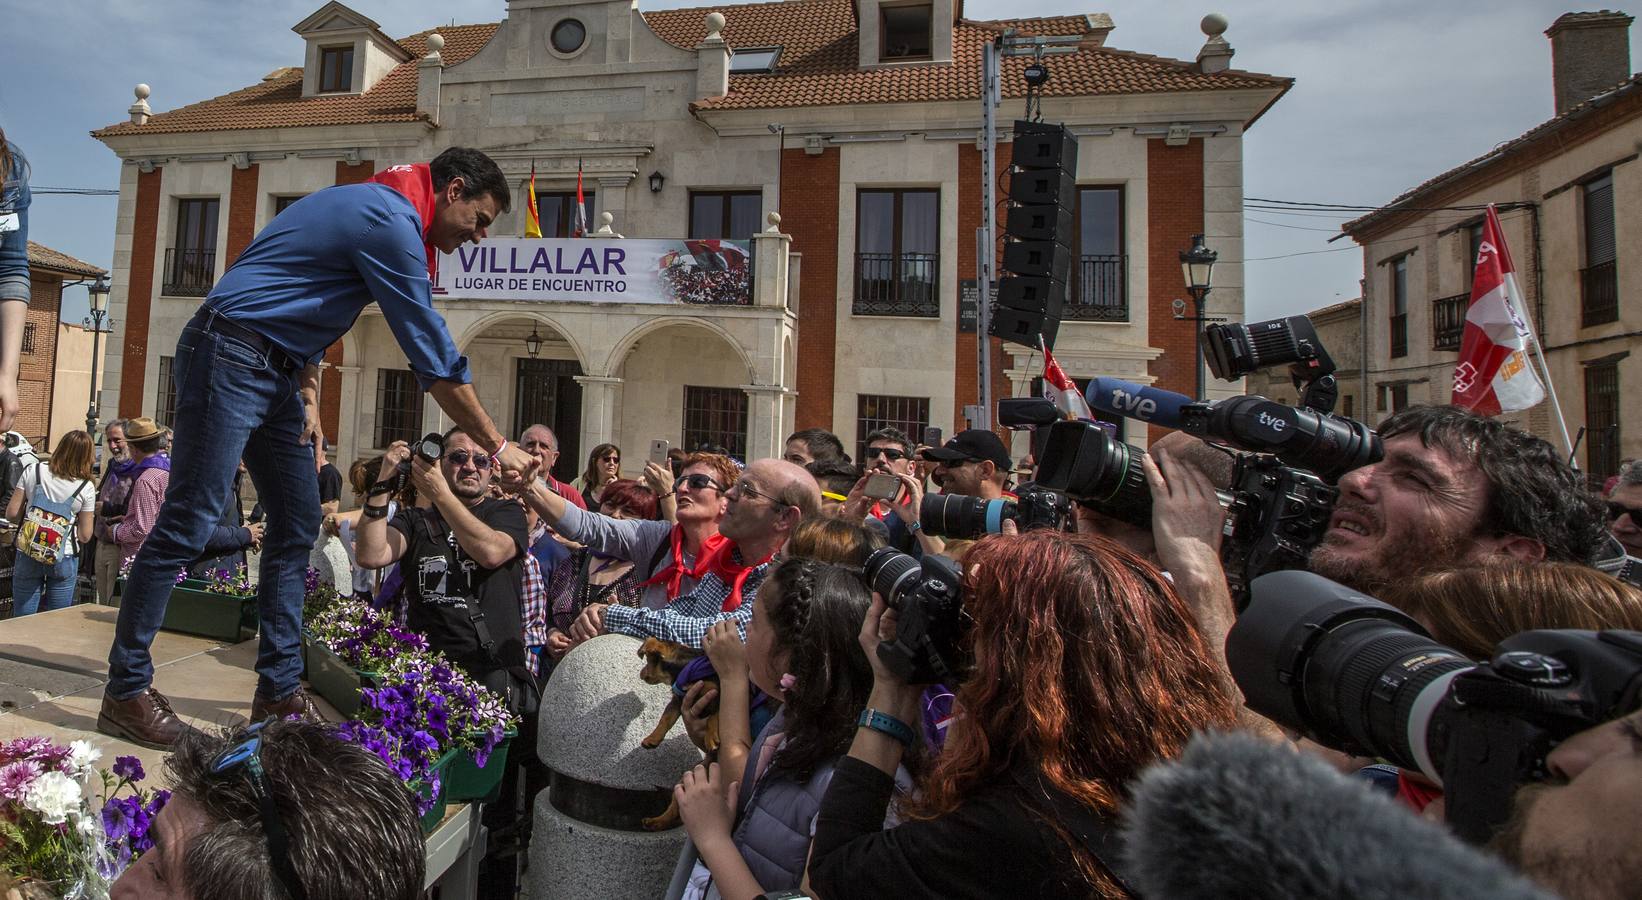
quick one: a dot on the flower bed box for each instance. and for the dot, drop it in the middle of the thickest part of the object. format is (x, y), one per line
(335, 680)
(468, 781)
(436, 814)
(193, 610)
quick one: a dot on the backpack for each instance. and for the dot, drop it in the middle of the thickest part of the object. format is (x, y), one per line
(47, 530)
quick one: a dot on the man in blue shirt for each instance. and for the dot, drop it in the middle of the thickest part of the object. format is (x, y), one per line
(247, 384)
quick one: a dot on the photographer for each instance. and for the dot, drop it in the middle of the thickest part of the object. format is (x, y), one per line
(974, 462)
(1086, 668)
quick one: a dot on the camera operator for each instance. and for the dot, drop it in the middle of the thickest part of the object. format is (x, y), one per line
(1456, 488)
(974, 462)
(1086, 668)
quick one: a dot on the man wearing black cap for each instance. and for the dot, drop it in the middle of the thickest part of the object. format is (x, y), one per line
(974, 462)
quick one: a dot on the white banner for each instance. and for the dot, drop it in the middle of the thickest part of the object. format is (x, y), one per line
(581, 270)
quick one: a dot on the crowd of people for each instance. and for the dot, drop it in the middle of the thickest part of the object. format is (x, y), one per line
(863, 748)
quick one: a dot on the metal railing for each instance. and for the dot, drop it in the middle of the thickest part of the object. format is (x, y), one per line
(1448, 321)
(189, 273)
(1599, 295)
(897, 284)
(1100, 290)
(1399, 335)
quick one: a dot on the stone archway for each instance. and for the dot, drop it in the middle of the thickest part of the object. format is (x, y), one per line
(684, 381)
(521, 388)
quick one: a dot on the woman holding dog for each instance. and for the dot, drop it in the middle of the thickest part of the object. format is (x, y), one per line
(1088, 667)
(751, 814)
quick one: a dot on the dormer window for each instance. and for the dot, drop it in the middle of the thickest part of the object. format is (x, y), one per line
(754, 60)
(906, 32)
(336, 69)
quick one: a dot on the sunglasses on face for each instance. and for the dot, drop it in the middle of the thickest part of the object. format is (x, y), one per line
(697, 482)
(460, 458)
(246, 756)
(614, 459)
(1618, 510)
(888, 453)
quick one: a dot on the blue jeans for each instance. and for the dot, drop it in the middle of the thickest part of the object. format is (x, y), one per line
(232, 402)
(30, 580)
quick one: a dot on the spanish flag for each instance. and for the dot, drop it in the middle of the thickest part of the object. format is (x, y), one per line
(533, 220)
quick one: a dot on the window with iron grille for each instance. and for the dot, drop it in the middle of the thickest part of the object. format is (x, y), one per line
(336, 69)
(165, 395)
(1599, 294)
(191, 261)
(724, 215)
(875, 411)
(558, 214)
(716, 416)
(28, 337)
(398, 406)
(1602, 421)
(897, 253)
(1399, 306)
(1100, 281)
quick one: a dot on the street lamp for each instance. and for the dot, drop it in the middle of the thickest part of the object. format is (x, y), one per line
(98, 292)
(1197, 267)
(533, 343)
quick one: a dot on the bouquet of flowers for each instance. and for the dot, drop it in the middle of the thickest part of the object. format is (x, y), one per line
(317, 594)
(364, 638)
(48, 831)
(423, 692)
(235, 582)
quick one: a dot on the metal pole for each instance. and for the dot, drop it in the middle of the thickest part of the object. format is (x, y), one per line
(984, 259)
(1199, 296)
(91, 405)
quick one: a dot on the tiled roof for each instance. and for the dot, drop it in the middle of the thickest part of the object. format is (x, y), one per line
(43, 257)
(1500, 152)
(1336, 308)
(278, 102)
(818, 66)
(819, 62)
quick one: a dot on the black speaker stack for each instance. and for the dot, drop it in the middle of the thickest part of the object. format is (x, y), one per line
(1038, 233)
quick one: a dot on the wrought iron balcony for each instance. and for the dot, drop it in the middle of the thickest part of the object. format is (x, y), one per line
(1100, 290)
(1599, 295)
(1448, 321)
(897, 284)
(189, 273)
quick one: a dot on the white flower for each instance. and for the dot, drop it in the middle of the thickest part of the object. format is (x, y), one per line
(53, 795)
(82, 756)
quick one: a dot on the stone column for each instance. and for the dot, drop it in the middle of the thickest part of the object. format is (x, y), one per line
(767, 422)
(611, 198)
(348, 443)
(598, 409)
(770, 270)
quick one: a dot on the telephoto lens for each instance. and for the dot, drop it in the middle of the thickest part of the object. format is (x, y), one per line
(1084, 462)
(1346, 670)
(1235, 349)
(963, 517)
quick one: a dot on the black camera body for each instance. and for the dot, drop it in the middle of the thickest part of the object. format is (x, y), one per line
(1357, 675)
(966, 517)
(1277, 515)
(431, 448)
(929, 621)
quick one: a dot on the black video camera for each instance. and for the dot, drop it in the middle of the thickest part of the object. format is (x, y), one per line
(929, 622)
(1357, 675)
(1326, 444)
(1235, 349)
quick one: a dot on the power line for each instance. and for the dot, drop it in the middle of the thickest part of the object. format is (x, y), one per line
(88, 192)
(1505, 218)
(1360, 207)
(1299, 227)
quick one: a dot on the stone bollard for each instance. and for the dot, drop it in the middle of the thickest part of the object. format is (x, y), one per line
(588, 843)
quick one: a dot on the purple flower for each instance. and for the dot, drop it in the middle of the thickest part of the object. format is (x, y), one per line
(128, 767)
(120, 817)
(16, 777)
(28, 747)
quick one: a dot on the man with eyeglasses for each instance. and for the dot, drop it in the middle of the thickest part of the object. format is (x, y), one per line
(1625, 510)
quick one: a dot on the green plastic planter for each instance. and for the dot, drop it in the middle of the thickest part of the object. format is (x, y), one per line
(470, 782)
(436, 814)
(335, 680)
(193, 610)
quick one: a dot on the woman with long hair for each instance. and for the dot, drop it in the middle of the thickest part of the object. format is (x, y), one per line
(1087, 667)
(14, 271)
(603, 467)
(55, 502)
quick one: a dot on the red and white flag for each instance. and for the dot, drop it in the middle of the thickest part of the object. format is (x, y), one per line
(1494, 374)
(579, 228)
(1062, 391)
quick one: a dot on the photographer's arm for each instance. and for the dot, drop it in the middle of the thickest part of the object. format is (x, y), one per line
(487, 546)
(375, 544)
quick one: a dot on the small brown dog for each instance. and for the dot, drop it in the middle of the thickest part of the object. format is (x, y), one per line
(664, 662)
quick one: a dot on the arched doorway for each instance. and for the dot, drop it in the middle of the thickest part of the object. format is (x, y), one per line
(525, 369)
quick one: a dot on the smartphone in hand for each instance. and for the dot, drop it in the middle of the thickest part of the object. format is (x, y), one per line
(882, 486)
(932, 436)
(658, 451)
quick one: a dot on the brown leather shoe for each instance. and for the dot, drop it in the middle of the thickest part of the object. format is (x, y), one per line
(145, 720)
(297, 704)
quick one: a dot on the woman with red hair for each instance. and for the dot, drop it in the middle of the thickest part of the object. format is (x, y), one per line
(1087, 668)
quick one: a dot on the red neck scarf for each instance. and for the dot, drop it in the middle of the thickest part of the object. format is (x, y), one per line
(721, 562)
(673, 576)
(415, 182)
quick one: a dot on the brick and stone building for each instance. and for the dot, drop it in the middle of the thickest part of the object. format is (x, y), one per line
(855, 120)
(49, 271)
(1564, 192)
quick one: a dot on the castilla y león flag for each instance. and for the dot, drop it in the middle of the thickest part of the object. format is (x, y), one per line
(1494, 374)
(1061, 390)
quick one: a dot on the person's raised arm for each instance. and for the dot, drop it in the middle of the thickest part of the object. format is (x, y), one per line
(375, 544)
(729, 657)
(488, 547)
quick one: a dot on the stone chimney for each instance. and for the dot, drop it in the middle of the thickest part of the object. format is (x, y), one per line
(713, 60)
(139, 110)
(430, 75)
(1216, 53)
(1590, 53)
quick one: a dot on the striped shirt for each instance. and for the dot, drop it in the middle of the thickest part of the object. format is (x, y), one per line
(687, 619)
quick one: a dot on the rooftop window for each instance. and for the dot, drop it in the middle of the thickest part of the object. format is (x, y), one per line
(906, 32)
(753, 60)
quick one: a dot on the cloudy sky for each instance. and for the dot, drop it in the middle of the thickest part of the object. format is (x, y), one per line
(1388, 93)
